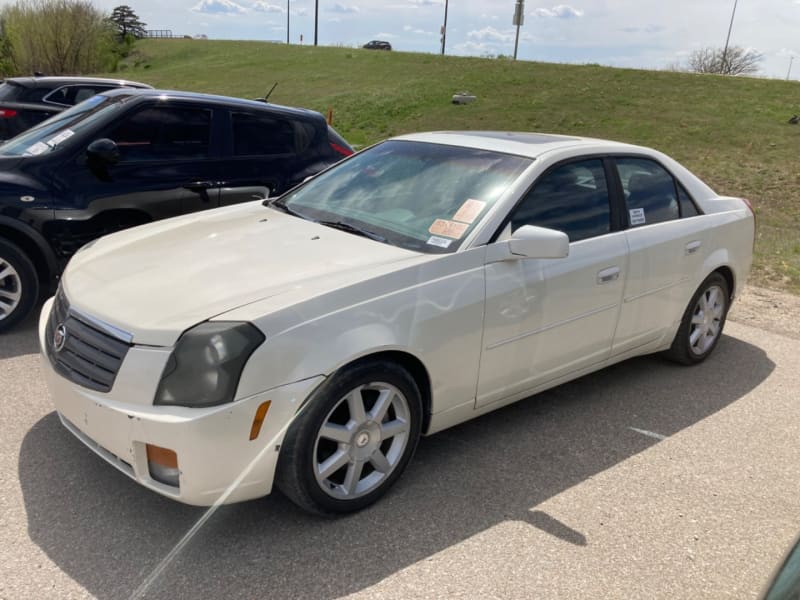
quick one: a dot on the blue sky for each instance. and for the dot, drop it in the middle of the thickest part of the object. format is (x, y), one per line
(628, 33)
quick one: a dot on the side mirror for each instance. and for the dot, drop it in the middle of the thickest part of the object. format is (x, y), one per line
(103, 151)
(530, 241)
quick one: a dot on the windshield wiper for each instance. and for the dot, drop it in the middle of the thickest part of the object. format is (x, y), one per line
(353, 229)
(281, 205)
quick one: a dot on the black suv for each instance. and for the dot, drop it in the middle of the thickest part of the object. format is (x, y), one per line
(377, 45)
(27, 101)
(127, 157)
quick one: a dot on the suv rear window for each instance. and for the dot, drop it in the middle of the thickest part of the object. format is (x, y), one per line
(256, 134)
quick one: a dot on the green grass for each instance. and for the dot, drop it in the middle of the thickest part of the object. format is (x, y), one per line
(732, 132)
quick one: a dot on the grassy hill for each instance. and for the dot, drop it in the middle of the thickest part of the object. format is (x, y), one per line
(732, 132)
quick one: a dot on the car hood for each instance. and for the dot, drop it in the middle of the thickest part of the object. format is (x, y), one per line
(157, 280)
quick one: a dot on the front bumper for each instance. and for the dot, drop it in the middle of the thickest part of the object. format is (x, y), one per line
(216, 459)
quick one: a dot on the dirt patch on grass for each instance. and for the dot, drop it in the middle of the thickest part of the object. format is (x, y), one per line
(772, 310)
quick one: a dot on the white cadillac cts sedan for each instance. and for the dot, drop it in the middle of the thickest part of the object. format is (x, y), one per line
(308, 341)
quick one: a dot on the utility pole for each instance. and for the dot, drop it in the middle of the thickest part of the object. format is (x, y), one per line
(316, 20)
(519, 20)
(728, 39)
(287, 21)
(444, 27)
(789, 74)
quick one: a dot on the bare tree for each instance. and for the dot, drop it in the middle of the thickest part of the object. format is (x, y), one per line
(58, 36)
(736, 61)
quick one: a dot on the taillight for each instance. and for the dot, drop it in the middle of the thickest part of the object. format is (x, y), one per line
(340, 149)
(7, 113)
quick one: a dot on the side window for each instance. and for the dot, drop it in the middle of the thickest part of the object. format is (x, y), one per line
(258, 134)
(59, 96)
(650, 192)
(164, 133)
(688, 207)
(572, 198)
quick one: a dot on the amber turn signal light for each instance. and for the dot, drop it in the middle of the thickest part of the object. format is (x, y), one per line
(258, 420)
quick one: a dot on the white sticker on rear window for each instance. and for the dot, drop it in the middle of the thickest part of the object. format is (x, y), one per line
(64, 135)
(441, 242)
(637, 216)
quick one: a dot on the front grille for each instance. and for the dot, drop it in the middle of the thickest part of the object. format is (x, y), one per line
(89, 356)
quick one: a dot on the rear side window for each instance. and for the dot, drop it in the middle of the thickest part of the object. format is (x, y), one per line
(258, 134)
(572, 198)
(651, 193)
(69, 95)
(164, 133)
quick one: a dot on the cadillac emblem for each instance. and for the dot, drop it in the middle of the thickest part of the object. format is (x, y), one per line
(59, 338)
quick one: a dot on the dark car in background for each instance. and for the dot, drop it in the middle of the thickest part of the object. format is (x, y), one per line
(27, 101)
(128, 157)
(377, 45)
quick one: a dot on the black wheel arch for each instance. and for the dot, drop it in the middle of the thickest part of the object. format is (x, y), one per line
(35, 246)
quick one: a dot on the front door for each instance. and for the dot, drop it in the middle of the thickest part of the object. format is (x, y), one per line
(546, 318)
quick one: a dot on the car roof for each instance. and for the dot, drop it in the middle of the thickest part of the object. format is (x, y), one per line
(32, 82)
(529, 145)
(224, 100)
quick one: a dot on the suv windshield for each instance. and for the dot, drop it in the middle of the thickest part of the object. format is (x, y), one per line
(49, 134)
(415, 195)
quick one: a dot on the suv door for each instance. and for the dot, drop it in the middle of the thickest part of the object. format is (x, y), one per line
(168, 165)
(549, 317)
(263, 151)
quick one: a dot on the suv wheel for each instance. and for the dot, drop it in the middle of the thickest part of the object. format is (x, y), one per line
(19, 285)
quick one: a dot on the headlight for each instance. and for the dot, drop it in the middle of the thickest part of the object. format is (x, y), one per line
(205, 367)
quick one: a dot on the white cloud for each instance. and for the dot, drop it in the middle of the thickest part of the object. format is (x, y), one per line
(219, 7)
(416, 30)
(301, 12)
(430, 2)
(384, 36)
(490, 34)
(562, 11)
(268, 8)
(343, 8)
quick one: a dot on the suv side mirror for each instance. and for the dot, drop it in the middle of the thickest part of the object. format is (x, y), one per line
(103, 151)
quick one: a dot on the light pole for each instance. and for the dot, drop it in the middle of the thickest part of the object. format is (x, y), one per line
(728, 39)
(287, 21)
(519, 19)
(444, 27)
(316, 20)
(789, 74)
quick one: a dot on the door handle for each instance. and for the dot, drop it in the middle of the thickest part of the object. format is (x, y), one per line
(693, 247)
(608, 275)
(197, 186)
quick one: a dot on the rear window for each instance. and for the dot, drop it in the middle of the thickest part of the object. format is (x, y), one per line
(259, 134)
(10, 92)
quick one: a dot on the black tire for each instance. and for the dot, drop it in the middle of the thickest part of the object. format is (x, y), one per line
(19, 287)
(304, 447)
(683, 350)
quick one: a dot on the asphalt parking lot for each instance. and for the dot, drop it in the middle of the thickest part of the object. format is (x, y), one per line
(645, 480)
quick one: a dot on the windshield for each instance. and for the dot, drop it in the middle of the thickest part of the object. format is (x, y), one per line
(49, 134)
(416, 195)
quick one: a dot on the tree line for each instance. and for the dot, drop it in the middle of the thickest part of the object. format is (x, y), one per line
(58, 37)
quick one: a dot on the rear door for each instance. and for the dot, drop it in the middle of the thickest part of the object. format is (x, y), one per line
(668, 242)
(262, 154)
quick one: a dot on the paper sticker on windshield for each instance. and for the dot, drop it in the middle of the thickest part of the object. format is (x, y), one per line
(637, 216)
(469, 211)
(441, 242)
(449, 229)
(64, 135)
(37, 148)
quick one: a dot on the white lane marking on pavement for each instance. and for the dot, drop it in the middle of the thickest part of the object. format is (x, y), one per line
(651, 434)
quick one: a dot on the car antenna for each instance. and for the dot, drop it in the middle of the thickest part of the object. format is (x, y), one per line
(269, 93)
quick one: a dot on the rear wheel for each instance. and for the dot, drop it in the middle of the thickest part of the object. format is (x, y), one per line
(353, 441)
(702, 323)
(19, 285)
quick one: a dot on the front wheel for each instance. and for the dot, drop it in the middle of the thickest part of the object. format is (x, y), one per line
(353, 440)
(702, 323)
(19, 285)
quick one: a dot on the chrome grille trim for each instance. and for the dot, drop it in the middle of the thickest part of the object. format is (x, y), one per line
(92, 354)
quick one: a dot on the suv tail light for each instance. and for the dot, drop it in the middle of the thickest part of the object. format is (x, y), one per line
(7, 113)
(343, 151)
(337, 143)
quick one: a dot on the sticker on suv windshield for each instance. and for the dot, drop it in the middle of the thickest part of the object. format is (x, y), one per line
(64, 135)
(469, 211)
(441, 242)
(449, 229)
(36, 149)
(637, 216)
